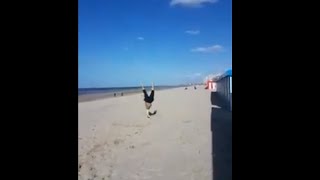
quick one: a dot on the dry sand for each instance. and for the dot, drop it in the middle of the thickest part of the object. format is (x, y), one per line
(117, 141)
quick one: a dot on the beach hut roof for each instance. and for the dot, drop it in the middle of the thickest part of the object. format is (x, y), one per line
(226, 74)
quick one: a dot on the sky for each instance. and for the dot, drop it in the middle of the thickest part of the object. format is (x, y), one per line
(123, 43)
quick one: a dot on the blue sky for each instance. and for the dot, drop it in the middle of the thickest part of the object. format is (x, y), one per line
(169, 42)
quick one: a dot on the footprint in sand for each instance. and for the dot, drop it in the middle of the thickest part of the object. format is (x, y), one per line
(118, 141)
(145, 144)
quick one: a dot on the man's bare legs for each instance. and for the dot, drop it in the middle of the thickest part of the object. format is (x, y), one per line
(152, 96)
(152, 91)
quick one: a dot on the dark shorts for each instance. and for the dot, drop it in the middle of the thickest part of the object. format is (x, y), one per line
(148, 99)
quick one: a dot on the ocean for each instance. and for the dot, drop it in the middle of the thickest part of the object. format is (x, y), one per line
(85, 91)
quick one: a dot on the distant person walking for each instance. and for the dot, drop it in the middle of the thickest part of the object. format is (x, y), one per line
(148, 100)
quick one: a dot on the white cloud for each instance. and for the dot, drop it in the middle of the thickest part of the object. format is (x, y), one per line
(191, 3)
(194, 78)
(211, 76)
(140, 38)
(210, 49)
(194, 75)
(192, 32)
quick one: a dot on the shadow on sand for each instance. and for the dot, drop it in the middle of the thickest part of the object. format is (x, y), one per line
(221, 130)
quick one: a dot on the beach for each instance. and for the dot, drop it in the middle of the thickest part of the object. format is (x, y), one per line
(117, 141)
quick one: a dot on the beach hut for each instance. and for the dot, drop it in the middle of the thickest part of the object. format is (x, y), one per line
(224, 87)
(211, 85)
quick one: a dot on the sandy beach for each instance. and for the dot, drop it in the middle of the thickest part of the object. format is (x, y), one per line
(117, 141)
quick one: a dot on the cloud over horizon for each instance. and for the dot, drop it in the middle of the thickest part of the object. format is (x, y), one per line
(191, 3)
(140, 38)
(192, 32)
(210, 49)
